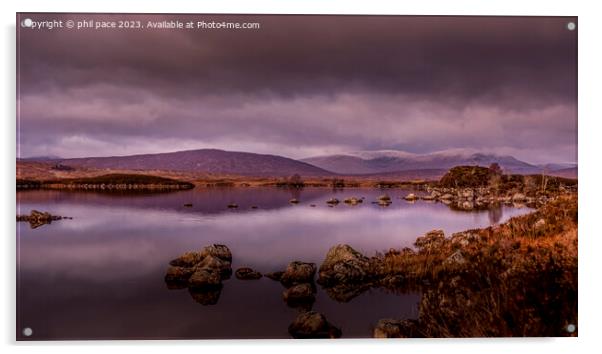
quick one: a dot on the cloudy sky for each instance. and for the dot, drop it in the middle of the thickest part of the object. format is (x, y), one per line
(301, 86)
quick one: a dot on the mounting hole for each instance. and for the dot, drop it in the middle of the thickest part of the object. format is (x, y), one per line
(26, 22)
(571, 328)
(27, 332)
(571, 26)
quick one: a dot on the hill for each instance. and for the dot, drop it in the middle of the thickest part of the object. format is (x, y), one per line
(205, 160)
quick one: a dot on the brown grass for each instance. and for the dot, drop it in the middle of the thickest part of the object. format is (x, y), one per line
(515, 279)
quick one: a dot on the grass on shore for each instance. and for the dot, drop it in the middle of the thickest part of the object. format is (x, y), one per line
(515, 279)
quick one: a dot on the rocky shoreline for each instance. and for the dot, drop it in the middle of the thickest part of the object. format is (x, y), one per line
(452, 273)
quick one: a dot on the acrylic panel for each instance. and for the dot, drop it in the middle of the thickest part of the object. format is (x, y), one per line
(207, 176)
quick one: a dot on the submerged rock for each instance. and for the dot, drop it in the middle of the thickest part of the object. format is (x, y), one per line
(246, 273)
(390, 328)
(232, 206)
(313, 324)
(294, 201)
(298, 272)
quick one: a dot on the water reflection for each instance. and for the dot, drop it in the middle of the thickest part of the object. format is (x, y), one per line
(105, 267)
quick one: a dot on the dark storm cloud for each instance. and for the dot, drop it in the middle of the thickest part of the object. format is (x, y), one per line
(303, 85)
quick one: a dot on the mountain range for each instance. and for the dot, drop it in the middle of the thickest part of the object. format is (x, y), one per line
(383, 163)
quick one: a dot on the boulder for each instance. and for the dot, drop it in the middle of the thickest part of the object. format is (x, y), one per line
(177, 274)
(313, 324)
(204, 278)
(384, 197)
(246, 273)
(519, 197)
(298, 272)
(352, 201)
(211, 262)
(219, 251)
(188, 259)
(390, 328)
(446, 196)
(411, 197)
(332, 201)
(431, 241)
(343, 264)
(539, 224)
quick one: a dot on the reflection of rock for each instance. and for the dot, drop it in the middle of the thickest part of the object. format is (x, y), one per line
(332, 201)
(313, 325)
(206, 296)
(345, 292)
(343, 264)
(188, 259)
(389, 328)
(246, 273)
(298, 272)
(345, 273)
(204, 278)
(299, 294)
(274, 275)
(39, 218)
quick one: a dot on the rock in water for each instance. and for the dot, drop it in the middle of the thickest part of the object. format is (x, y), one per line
(222, 266)
(219, 251)
(410, 197)
(343, 264)
(312, 324)
(389, 328)
(298, 272)
(246, 273)
(188, 259)
(176, 274)
(204, 278)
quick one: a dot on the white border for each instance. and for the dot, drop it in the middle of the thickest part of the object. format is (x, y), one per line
(590, 173)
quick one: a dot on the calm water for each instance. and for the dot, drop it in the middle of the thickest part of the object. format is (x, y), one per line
(100, 275)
